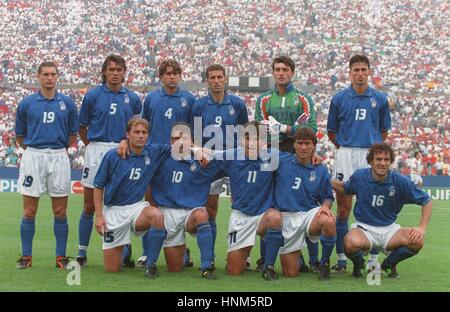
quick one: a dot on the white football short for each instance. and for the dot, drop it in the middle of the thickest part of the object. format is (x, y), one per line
(296, 229)
(120, 223)
(242, 230)
(347, 160)
(216, 186)
(92, 160)
(378, 236)
(175, 220)
(44, 170)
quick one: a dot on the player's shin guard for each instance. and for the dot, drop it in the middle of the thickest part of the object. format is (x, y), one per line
(327, 248)
(204, 242)
(144, 244)
(313, 251)
(212, 224)
(27, 230)
(61, 231)
(399, 254)
(341, 231)
(156, 239)
(84, 233)
(274, 240)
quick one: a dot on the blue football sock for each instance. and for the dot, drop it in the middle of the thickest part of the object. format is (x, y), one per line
(327, 247)
(204, 242)
(144, 244)
(156, 239)
(274, 240)
(212, 224)
(400, 254)
(126, 252)
(84, 233)
(61, 230)
(27, 230)
(341, 231)
(313, 251)
(262, 248)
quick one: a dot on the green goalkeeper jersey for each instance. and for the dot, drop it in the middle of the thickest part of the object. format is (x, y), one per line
(295, 109)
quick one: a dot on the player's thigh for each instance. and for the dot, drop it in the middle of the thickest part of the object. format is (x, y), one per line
(175, 257)
(112, 259)
(237, 260)
(399, 239)
(148, 216)
(271, 219)
(59, 206)
(290, 264)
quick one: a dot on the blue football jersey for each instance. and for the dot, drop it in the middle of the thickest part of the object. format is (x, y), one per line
(106, 113)
(378, 204)
(183, 183)
(300, 187)
(232, 111)
(162, 110)
(46, 123)
(125, 180)
(252, 188)
(358, 120)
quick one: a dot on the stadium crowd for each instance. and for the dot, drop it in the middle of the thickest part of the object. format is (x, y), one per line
(409, 64)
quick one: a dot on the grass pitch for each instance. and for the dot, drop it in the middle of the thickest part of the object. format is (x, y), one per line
(426, 272)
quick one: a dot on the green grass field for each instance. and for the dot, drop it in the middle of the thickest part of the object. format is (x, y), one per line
(429, 271)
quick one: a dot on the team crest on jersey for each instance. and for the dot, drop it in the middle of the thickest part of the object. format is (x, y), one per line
(126, 99)
(147, 161)
(312, 177)
(231, 110)
(392, 191)
(183, 102)
(62, 106)
(193, 166)
(373, 102)
(296, 101)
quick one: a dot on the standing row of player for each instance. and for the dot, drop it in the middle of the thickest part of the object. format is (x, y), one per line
(359, 117)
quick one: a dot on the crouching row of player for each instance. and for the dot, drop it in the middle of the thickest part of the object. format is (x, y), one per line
(283, 206)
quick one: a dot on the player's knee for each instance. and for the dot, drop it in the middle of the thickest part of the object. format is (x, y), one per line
(175, 268)
(274, 219)
(29, 213)
(351, 243)
(233, 270)
(328, 226)
(417, 246)
(157, 218)
(200, 216)
(290, 272)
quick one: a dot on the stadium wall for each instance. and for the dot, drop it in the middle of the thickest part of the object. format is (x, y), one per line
(437, 186)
